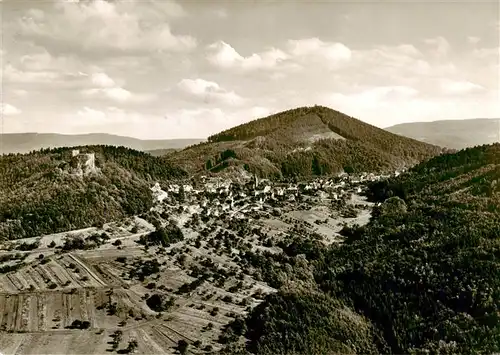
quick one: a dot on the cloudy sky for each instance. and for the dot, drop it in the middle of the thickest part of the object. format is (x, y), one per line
(161, 69)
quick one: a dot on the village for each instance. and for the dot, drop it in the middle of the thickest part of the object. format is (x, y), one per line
(172, 278)
(217, 197)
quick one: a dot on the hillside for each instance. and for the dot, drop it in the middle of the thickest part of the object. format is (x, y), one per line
(45, 191)
(301, 142)
(455, 134)
(161, 152)
(27, 142)
(422, 277)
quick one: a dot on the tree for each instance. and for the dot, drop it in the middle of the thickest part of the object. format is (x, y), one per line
(182, 194)
(182, 346)
(132, 345)
(160, 302)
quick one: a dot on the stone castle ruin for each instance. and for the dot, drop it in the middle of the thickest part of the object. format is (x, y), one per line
(83, 163)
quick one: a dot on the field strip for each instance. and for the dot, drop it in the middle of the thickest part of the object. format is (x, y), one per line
(49, 291)
(89, 271)
(65, 321)
(16, 342)
(139, 325)
(42, 308)
(44, 274)
(207, 318)
(54, 331)
(14, 281)
(37, 279)
(64, 271)
(176, 332)
(152, 346)
(15, 314)
(160, 336)
(53, 273)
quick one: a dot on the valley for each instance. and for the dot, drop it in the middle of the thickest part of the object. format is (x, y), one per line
(169, 279)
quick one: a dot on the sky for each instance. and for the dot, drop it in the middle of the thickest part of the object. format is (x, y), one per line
(158, 69)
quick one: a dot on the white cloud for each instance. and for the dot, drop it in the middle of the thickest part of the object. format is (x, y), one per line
(295, 55)
(40, 67)
(259, 111)
(177, 123)
(115, 25)
(440, 44)
(459, 87)
(106, 87)
(221, 13)
(495, 25)
(102, 80)
(473, 39)
(380, 107)
(90, 116)
(224, 55)
(9, 110)
(209, 91)
(491, 54)
(101, 120)
(315, 47)
(395, 92)
(40, 59)
(113, 93)
(371, 97)
(118, 94)
(162, 8)
(14, 75)
(373, 107)
(184, 123)
(19, 92)
(394, 66)
(198, 86)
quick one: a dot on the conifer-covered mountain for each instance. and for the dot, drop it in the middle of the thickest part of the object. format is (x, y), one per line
(27, 142)
(454, 134)
(61, 189)
(422, 277)
(304, 141)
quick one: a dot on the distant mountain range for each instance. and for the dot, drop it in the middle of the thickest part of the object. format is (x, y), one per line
(455, 134)
(300, 142)
(27, 142)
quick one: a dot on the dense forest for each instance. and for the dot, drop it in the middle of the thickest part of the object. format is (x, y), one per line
(303, 142)
(423, 277)
(345, 126)
(40, 195)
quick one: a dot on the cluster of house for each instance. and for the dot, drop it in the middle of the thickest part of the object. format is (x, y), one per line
(216, 196)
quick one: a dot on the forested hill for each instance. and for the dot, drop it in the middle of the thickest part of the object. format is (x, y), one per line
(471, 174)
(304, 141)
(423, 277)
(43, 192)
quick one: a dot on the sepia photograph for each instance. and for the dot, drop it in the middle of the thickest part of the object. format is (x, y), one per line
(250, 177)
